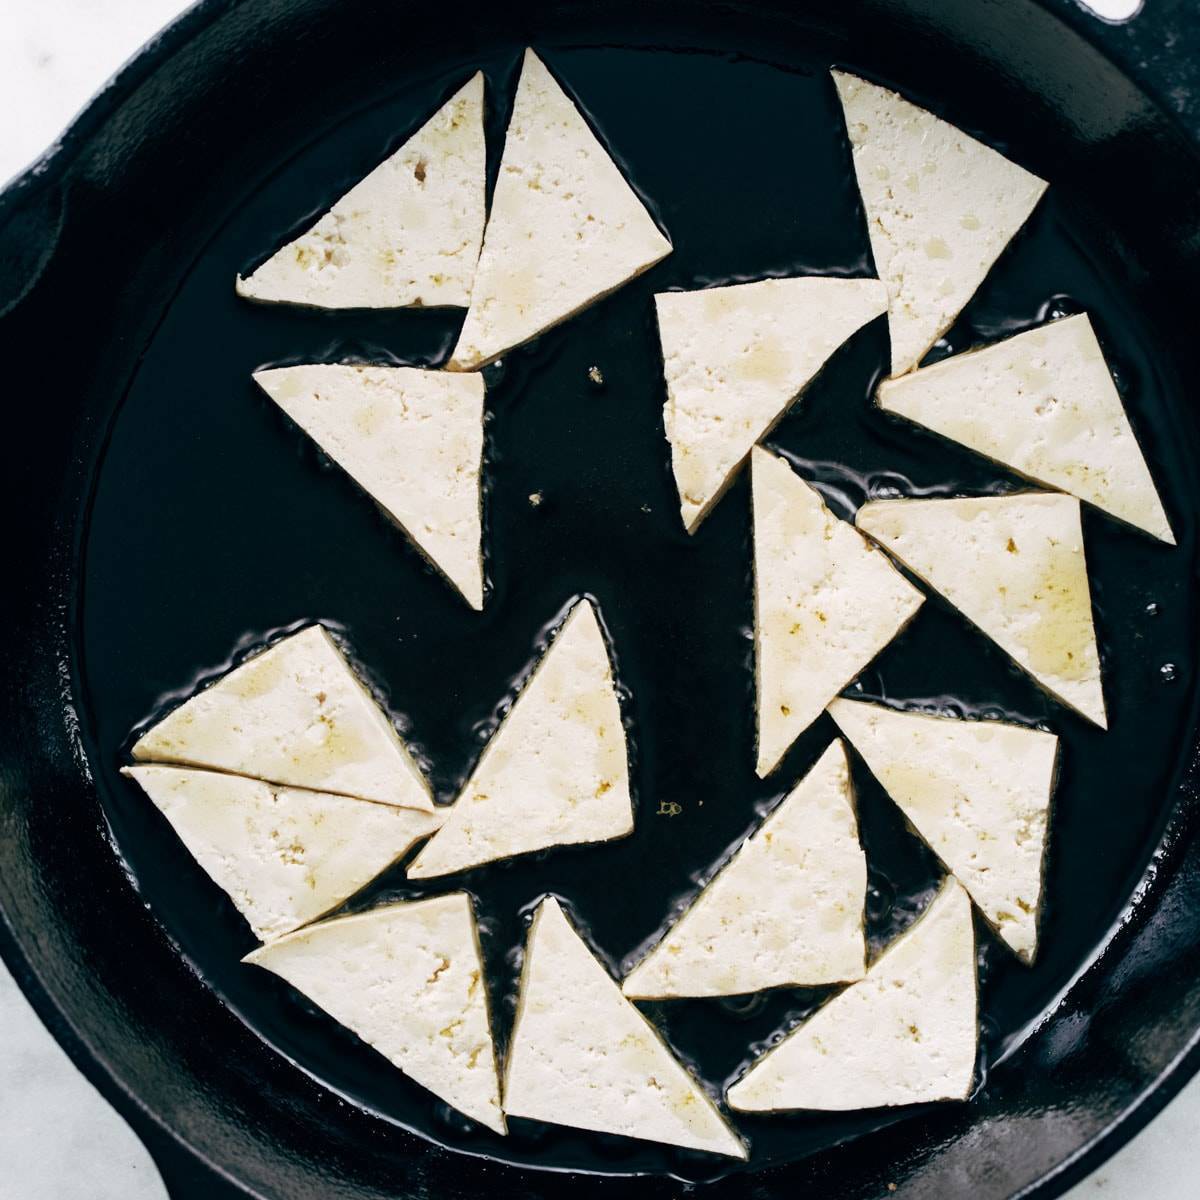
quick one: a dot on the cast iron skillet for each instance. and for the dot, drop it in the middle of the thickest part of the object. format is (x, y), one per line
(100, 250)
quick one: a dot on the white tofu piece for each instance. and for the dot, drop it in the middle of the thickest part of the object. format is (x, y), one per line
(408, 980)
(556, 771)
(1013, 566)
(582, 1055)
(787, 909)
(978, 792)
(940, 209)
(412, 439)
(1043, 403)
(826, 602)
(906, 1034)
(565, 230)
(407, 235)
(285, 856)
(294, 715)
(735, 360)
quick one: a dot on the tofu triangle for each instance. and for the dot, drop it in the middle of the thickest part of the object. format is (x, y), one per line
(565, 228)
(582, 1055)
(826, 602)
(940, 208)
(408, 980)
(978, 792)
(1014, 566)
(412, 439)
(906, 1034)
(297, 715)
(1043, 403)
(555, 772)
(787, 909)
(408, 234)
(285, 856)
(735, 360)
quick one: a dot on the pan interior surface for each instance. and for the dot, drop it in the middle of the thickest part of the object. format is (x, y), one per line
(210, 524)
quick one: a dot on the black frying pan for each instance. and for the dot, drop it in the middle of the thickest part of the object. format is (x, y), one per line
(160, 516)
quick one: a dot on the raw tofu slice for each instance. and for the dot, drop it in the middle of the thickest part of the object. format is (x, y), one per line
(582, 1055)
(1014, 566)
(736, 358)
(406, 235)
(787, 910)
(284, 855)
(978, 792)
(1043, 403)
(408, 980)
(940, 209)
(565, 228)
(296, 715)
(556, 772)
(907, 1034)
(413, 439)
(826, 602)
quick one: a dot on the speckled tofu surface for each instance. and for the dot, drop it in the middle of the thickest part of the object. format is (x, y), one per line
(565, 227)
(285, 856)
(408, 234)
(412, 439)
(825, 603)
(906, 1034)
(408, 980)
(582, 1055)
(940, 209)
(1044, 403)
(555, 772)
(787, 909)
(295, 714)
(978, 792)
(735, 359)
(1015, 567)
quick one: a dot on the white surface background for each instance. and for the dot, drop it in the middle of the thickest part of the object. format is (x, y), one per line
(58, 1139)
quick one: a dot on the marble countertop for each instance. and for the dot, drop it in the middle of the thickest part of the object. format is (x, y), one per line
(61, 1141)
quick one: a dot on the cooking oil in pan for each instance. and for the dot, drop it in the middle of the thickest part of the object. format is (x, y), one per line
(215, 522)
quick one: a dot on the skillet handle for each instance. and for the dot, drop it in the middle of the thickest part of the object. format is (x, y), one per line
(31, 220)
(184, 1175)
(190, 1181)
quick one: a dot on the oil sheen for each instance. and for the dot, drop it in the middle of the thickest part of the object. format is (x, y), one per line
(215, 524)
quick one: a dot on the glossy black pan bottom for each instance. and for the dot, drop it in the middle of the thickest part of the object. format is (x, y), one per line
(214, 522)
